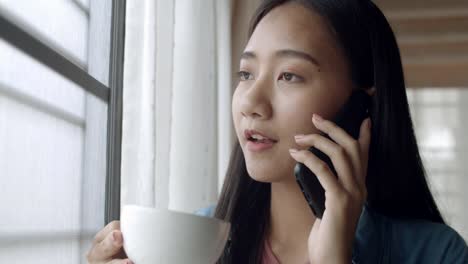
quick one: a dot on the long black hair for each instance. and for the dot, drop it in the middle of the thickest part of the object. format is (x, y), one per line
(396, 180)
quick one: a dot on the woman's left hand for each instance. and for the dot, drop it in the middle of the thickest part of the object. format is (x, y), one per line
(331, 238)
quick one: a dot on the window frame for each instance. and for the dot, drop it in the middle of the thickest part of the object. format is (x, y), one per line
(114, 117)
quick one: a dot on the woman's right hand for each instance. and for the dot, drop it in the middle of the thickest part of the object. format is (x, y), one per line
(107, 246)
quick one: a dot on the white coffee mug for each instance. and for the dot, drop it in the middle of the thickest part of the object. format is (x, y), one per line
(159, 236)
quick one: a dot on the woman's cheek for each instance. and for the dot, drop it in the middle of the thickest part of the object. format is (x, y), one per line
(235, 109)
(297, 115)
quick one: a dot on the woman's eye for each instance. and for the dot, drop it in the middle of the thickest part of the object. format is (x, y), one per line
(244, 76)
(290, 77)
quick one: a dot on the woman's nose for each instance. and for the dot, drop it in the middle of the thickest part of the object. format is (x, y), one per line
(255, 102)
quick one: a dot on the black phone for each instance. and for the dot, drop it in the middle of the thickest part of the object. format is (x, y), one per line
(349, 118)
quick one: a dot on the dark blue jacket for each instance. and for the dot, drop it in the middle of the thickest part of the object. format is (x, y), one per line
(380, 239)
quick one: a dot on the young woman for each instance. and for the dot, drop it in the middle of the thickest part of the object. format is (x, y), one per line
(303, 60)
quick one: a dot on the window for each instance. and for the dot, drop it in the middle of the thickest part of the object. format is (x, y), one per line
(438, 115)
(60, 106)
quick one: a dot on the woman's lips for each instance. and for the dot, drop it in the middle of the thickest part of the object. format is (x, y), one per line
(249, 133)
(258, 146)
(258, 141)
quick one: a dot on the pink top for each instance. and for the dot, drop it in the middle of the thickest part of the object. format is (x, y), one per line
(268, 257)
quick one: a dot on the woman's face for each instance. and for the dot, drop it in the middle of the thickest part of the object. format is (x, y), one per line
(291, 68)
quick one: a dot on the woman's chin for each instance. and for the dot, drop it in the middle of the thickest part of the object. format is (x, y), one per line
(273, 170)
(264, 179)
(265, 176)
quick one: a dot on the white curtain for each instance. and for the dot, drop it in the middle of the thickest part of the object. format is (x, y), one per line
(177, 94)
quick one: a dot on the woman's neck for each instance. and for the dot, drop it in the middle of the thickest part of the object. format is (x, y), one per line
(290, 218)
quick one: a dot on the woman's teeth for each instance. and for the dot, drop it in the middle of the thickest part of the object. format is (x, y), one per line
(257, 137)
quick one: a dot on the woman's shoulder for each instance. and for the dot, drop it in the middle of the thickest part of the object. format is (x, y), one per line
(385, 239)
(206, 211)
(421, 239)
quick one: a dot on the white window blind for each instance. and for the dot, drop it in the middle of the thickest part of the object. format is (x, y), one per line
(52, 135)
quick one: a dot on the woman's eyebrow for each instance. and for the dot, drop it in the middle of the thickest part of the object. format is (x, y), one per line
(246, 55)
(297, 54)
(284, 53)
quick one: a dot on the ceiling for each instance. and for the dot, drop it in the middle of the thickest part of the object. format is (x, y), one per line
(433, 40)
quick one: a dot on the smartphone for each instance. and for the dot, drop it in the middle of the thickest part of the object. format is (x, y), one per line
(349, 118)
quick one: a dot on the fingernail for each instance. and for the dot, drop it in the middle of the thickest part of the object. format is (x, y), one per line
(293, 150)
(317, 118)
(117, 237)
(299, 136)
(369, 125)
